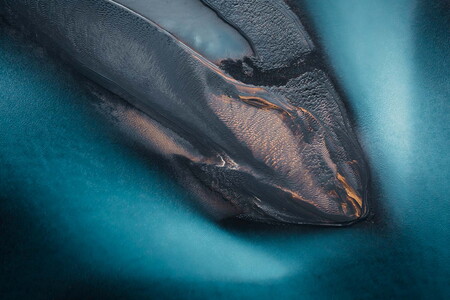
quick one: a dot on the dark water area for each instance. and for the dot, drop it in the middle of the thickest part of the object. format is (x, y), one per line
(84, 214)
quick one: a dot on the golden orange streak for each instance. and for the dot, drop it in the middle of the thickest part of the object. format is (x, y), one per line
(263, 102)
(307, 112)
(246, 89)
(352, 196)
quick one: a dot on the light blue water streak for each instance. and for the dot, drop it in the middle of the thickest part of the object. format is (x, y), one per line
(196, 25)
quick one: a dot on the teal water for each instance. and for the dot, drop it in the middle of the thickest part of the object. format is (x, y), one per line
(84, 213)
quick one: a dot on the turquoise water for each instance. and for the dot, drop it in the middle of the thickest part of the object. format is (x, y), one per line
(84, 212)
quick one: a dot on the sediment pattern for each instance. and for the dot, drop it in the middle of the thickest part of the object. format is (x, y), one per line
(268, 152)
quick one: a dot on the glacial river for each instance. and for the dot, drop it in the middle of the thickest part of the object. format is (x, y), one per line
(83, 211)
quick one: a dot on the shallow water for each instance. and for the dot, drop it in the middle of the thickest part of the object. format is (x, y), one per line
(196, 25)
(85, 213)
